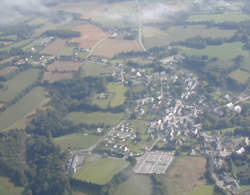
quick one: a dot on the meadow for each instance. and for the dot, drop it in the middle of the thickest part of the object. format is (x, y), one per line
(240, 76)
(154, 36)
(110, 47)
(204, 190)
(176, 181)
(76, 141)
(95, 118)
(136, 184)
(100, 171)
(116, 96)
(219, 18)
(52, 77)
(64, 66)
(227, 51)
(22, 108)
(95, 69)
(58, 48)
(17, 84)
(8, 188)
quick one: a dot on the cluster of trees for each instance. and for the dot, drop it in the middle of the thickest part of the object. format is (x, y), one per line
(199, 42)
(21, 31)
(63, 34)
(33, 162)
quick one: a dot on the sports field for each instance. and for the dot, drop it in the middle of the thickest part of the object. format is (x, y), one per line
(101, 171)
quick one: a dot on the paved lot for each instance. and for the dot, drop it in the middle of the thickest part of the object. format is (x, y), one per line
(153, 162)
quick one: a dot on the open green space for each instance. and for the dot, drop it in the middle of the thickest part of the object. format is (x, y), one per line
(154, 36)
(219, 18)
(95, 69)
(116, 96)
(101, 171)
(8, 188)
(95, 118)
(244, 189)
(227, 51)
(203, 190)
(135, 185)
(17, 84)
(76, 141)
(240, 76)
(23, 107)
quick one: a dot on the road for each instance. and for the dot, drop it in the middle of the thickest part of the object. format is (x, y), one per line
(140, 26)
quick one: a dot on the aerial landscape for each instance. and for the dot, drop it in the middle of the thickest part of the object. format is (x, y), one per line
(125, 97)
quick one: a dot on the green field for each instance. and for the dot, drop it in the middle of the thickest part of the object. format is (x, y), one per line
(203, 190)
(23, 107)
(101, 170)
(17, 84)
(116, 96)
(76, 141)
(154, 36)
(227, 51)
(95, 118)
(244, 189)
(135, 185)
(95, 69)
(219, 18)
(8, 188)
(240, 76)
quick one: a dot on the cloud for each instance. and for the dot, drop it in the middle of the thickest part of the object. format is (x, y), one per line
(15, 10)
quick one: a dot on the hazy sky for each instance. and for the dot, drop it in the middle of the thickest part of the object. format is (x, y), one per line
(15, 10)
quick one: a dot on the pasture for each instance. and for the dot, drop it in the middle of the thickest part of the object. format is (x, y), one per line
(19, 83)
(203, 190)
(95, 118)
(76, 141)
(116, 96)
(240, 76)
(58, 48)
(8, 70)
(22, 108)
(227, 51)
(219, 18)
(64, 66)
(110, 47)
(100, 171)
(154, 36)
(176, 181)
(136, 185)
(90, 35)
(52, 77)
(8, 188)
(95, 69)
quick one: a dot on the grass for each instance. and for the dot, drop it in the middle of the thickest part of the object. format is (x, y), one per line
(176, 182)
(76, 141)
(95, 118)
(240, 76)
(8, 188)
(219, 18)
(17, 84)
(227, 51)
(136, 184)
(203, 190)
(244, 189)
(116, 96)
(95, 69)
(101, 171)
(154, 36)
(22, 108)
